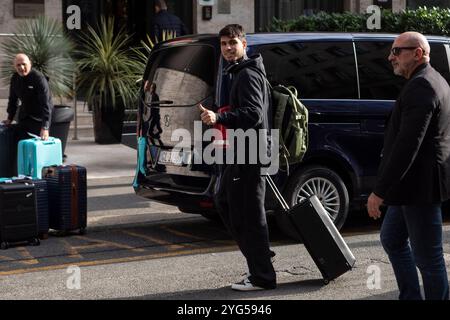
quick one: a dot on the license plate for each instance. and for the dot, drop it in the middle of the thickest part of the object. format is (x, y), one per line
(176, 158)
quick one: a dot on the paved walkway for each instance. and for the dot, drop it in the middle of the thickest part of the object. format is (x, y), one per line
(101, 161)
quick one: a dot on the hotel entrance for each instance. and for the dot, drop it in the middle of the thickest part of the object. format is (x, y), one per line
(135, 15)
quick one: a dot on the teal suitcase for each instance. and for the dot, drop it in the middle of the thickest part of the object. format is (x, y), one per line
(35, 154)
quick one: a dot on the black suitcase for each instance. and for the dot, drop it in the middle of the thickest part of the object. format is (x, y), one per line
(7, 151)
(320, 236)
(42, 210)
(67, 189)
(18, 221)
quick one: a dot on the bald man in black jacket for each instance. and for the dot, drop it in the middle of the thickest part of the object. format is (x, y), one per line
(414, 174)
(31, 88)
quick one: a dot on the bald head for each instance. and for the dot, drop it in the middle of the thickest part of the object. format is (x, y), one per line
(416, 39)
(409, 50)
(22, 64)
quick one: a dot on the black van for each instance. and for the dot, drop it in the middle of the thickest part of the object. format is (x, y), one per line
(344, 79)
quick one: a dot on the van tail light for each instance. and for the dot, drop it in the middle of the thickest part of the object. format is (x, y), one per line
(207, 204)
(222, 140)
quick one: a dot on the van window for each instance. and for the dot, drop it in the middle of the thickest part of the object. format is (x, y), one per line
(439, 60)
(183, 74)
(376, 77)
(319, 70)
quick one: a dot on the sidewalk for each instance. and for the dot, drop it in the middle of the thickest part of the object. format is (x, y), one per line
(101, 161)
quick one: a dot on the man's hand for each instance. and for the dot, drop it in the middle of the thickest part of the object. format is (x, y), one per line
(44, 134)
(208, 117)
(373, 206)
(7, 122)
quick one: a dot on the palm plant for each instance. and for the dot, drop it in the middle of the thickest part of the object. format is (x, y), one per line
(108, 67)
(148, 44)
(48, 47)
(109, 72)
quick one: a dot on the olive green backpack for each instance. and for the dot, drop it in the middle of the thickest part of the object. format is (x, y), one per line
(290, 116)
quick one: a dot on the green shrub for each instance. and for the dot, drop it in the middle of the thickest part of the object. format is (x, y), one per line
(434, 21)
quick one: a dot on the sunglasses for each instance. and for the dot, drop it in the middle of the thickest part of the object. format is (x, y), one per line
(397, 50)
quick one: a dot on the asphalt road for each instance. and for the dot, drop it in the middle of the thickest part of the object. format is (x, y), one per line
(135, 249)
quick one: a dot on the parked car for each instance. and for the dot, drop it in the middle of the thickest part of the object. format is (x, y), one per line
(344, 79)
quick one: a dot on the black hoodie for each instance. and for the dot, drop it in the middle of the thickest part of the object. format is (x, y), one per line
(249, 97)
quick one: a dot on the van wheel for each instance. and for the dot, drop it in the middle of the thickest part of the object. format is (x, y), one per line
(326, 185)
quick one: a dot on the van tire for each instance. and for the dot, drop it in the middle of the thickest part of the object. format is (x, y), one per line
(334, 195)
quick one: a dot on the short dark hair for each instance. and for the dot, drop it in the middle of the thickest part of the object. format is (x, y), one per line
(232, 31)
(161, 4)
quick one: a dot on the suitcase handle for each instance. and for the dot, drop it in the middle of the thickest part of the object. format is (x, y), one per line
(50, 140)
(277, 193)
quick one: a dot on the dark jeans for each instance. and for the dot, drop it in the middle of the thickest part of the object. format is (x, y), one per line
(240, 200)
(422, 225)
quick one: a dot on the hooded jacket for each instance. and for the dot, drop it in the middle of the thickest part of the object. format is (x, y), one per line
(249, 98)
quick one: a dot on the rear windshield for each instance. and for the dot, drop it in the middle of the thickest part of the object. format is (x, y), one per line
(184, 75)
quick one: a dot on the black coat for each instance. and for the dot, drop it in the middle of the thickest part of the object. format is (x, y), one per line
(415, 164)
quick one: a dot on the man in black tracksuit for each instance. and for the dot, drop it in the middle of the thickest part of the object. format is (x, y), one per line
(240, 197)
(31, 88)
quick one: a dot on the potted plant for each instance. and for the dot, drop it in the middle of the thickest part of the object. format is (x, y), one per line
(44, 41)
(109, 70)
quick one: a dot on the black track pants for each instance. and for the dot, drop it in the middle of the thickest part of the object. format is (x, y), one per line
(240, 200)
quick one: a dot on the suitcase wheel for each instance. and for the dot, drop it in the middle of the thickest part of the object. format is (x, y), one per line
(35, 242)
(326, 281)
(4, 245)
(43, 236)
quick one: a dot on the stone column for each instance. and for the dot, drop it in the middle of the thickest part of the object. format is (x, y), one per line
(241, 12)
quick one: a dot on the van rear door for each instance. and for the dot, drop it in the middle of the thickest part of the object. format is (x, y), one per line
(184, 73)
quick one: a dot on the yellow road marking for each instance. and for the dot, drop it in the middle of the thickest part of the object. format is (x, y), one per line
(26, 254)
(113, 244)
(169, 245)
(182, 234)
(92, 245)
(118, 260)
(72, 250)
(6, 258)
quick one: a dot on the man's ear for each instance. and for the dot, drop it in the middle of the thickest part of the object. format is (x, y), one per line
(420, 53)
(244, 43)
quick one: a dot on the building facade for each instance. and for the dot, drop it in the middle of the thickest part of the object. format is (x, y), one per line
(136, 15)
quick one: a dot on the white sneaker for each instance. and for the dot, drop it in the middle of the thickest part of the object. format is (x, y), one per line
(245, 285)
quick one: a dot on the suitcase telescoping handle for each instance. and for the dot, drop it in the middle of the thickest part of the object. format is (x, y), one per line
(277, 193)
(50, 140)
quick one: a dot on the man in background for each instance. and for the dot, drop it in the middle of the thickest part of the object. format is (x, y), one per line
(165, 22)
